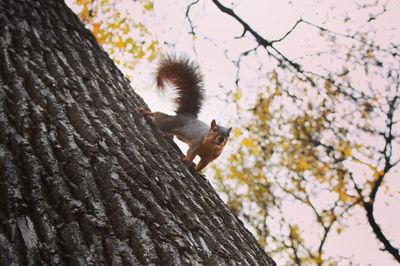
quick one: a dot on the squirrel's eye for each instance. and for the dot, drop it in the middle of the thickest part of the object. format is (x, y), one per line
(214, 129)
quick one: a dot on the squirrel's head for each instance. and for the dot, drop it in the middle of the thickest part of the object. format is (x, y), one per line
(218, 135)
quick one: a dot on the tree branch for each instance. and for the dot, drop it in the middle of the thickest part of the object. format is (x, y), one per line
(188, 17)
(246, 27)
(279, 56)
(369, 205)
(369, 208)
(287, 33)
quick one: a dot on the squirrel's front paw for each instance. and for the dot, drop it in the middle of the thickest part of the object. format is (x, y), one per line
(140, 110)
(186, 161)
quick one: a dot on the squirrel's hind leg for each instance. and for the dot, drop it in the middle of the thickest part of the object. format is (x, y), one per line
(203, 163)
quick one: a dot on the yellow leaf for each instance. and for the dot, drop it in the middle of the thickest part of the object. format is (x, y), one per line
(120, 44)
(265, 106)
(237, 132)
(302, 165)
(294, 233)
(84, 13)
(343, 196)
(248, 143)
(277, 92)
(125, 29)
(152, 46)
(347, 151)
(96, 28)
(148, 6)
(378, 173)
(140, 54)
(237, 95)
(152, 56)
(319, 260)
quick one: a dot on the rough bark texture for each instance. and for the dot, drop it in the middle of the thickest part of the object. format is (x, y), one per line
(84, 180)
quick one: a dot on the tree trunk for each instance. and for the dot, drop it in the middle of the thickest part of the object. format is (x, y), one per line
(84, 180)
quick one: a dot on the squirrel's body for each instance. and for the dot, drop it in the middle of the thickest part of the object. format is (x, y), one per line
(203, 140)
(185, 127)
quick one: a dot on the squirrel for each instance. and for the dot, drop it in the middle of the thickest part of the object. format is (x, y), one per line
(205, 141)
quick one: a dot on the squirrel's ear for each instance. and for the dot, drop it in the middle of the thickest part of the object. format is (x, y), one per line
(213, 123)
(229, 130)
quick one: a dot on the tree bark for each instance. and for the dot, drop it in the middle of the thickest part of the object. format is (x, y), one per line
(84, 180)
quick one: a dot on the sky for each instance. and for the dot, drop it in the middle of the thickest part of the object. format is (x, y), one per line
(215, 45)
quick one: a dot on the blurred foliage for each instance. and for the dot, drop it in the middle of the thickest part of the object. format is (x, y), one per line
(307, 134)
(120, 32)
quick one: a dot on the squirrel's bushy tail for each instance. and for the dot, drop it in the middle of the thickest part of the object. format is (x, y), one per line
(186, 78)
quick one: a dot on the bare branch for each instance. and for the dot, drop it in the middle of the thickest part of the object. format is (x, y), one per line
(387, 151)
(369, 205)
(369, 208)
(350, 36)
(283, 61)
(188, 17)
(287, 33)
(246, 26)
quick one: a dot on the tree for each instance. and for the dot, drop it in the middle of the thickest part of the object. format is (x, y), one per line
(83, 178)
(315, 129)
